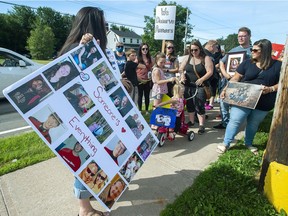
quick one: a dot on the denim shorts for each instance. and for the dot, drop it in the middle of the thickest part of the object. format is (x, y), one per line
(158, 96)
(80, 190)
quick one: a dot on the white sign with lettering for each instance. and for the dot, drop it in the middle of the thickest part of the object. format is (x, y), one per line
(165, 22)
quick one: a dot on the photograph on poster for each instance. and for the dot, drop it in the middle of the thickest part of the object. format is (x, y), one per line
(147, 146)
(86, 55)
(48, 123)
(72, 153)
(135, 124)
(105, 76)
(113, 191)
(111, 57)
(88, 173)
(30, 94)
(234, 60)
(121, 101)
(94, 177)
(79, 99)
(100, 180)
(243, 94)
(61, 73)
(117, 150)
(131, 167)
(99, 127)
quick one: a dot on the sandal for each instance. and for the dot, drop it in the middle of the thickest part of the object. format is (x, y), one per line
(221, 149)
(253, 149)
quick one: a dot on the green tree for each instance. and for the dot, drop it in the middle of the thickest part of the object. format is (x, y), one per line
(120, 28)
(180, 25)
(4, 33)
(230, 42)
(41, 42)
(20, 22)
(59, 24)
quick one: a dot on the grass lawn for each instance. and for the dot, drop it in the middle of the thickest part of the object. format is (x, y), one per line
(42, 61)
(227, 187)
(20, 151)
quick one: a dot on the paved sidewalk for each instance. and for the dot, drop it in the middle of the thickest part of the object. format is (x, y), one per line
(45, 189)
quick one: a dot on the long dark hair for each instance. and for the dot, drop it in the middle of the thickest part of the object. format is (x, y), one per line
(63, 80)
(87, 20)
(266, 50)
(140, 57)
(172, 57)
(198, 44)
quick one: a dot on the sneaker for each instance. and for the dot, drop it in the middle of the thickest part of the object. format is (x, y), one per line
(208, 107)
(147, 113)
(190, 124)
(219, 126)
(201, 130)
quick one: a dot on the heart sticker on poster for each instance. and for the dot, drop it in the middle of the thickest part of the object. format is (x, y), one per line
(84, 76)
(123, 130)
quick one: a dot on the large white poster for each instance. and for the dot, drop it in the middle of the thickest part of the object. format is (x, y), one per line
(165, 22)
(81, 110)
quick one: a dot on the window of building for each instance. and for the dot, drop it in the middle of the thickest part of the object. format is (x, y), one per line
(137, 41)
(131, 40)
(123, 40)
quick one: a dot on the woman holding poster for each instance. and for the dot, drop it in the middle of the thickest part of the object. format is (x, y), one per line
(260, 70)
(89, 22)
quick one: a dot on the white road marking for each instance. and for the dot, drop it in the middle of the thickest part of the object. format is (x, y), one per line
(14, 130)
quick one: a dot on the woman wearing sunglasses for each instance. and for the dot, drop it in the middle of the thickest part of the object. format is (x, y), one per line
(99, 181)
(87, 175)
(260, 70)
(144, 75)
(171, 65)
(196, 64)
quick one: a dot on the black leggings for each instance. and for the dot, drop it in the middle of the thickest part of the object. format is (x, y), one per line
(144, 89)
(198, 102)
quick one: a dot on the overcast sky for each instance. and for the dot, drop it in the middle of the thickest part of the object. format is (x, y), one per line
(211, 19)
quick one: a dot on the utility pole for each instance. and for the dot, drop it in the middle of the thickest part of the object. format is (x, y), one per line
(186, 29)
(274, 172)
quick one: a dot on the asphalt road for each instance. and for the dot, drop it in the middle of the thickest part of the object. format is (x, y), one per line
(11, 122)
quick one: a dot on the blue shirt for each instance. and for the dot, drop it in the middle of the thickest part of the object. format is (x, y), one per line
(238, 49)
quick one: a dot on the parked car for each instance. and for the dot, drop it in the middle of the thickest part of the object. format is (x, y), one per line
(14, 67)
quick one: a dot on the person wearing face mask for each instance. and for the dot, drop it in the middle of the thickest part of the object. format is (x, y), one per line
(120, 56)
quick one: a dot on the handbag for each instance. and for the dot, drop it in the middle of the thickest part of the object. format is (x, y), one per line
(206, 88)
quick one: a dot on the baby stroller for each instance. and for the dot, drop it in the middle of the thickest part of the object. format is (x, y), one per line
(165, 119)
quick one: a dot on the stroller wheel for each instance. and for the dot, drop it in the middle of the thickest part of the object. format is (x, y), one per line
(161, 137)
(191, 135)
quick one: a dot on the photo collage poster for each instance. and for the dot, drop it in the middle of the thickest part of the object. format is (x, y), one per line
(79, 107)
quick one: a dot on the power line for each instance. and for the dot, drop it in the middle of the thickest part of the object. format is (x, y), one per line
(110, 22)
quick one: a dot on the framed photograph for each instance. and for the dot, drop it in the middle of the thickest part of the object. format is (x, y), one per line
(243, 94)
(234, 60)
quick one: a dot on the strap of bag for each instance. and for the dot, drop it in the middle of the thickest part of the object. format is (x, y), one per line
(194, 67)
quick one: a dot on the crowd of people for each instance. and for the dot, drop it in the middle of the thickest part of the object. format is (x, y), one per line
(202, 67)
